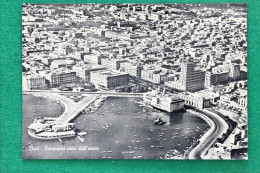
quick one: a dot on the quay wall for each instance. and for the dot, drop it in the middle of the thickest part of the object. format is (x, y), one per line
(207, 134)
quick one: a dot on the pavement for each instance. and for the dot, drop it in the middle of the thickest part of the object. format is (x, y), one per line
(218, 127)
(71, 108)
(106, 93)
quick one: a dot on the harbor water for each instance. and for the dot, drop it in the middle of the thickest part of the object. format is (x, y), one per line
(122, 128)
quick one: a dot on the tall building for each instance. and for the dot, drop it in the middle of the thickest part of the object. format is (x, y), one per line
(191, 79)
(234, 72)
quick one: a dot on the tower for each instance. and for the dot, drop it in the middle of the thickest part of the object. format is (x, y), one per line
(191, 79)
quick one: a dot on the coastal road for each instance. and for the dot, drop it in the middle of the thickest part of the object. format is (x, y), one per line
(105, 93)
(71, 108)
(219, 126)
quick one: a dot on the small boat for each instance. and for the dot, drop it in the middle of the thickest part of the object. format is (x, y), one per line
(159, 121)
(82, 133)
(81, 138)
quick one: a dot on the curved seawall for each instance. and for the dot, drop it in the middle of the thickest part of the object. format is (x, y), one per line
(218, 126)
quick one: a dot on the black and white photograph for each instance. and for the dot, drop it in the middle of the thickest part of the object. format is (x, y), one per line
(134, 81)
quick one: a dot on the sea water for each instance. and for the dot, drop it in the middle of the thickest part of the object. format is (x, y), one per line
(122, 128)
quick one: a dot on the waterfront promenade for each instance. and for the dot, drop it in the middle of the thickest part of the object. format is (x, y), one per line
(85, 93)
(218, 126)
(71, 108)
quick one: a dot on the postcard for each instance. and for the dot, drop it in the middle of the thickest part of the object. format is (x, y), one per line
(134, 81)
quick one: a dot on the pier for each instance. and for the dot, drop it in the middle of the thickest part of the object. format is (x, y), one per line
(73, 109)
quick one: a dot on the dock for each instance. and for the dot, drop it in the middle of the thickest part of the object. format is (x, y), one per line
(73, 109)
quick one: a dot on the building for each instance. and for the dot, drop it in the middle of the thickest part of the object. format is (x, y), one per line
(58, 64)
(154, 76)
(83, 70)
(33, 82)
(113, 64)
(242, 101)
(117, 35)
(191, 79)
(195, 100)
(61, 76)
(109, 79)
(216, 78)
(92, 58)
(228, 98)
(134, 70)
(234, 71)
(165, 102)
(48, 60)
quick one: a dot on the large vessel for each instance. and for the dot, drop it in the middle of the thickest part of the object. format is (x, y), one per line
(165, 102)
(48, 128)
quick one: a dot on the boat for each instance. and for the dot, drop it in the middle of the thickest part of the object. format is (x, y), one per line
(82, 133)
(159, 121)
(81, 138)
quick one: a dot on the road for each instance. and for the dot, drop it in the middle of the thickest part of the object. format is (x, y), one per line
(218, 127)
(106, 93)
(71, 108)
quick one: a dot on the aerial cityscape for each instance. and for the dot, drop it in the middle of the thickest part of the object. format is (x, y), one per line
(134, 81)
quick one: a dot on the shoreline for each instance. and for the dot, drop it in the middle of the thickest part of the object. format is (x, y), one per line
(206, 132)
(65, 107)
(208, 139)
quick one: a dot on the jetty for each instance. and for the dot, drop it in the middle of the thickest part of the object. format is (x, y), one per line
(71, 109)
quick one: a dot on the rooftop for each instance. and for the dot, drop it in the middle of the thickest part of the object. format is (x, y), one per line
(109, 73)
